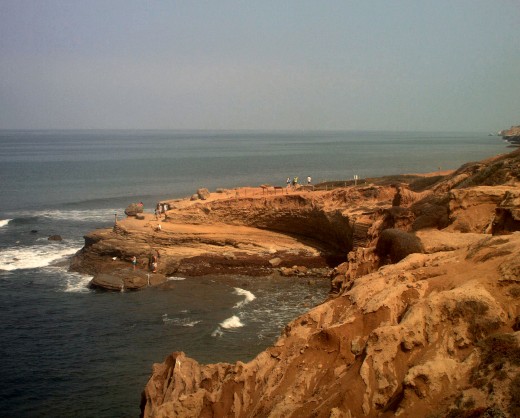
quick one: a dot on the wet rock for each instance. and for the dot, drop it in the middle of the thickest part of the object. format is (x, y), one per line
(126, 279)
(55, 238)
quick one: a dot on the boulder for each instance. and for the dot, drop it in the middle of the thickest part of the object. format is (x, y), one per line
(203, 193)
(55, 238)
(397, 244)
(133, 209)
(275, 261)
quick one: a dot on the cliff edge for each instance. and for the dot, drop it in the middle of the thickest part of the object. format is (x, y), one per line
(423, 318)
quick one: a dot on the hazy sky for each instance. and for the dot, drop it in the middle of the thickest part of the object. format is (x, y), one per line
(338, 64)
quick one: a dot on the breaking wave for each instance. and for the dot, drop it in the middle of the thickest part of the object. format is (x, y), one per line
(97, 215)
(77, 283)
(34, 256)
(233, 322)
(248, 297)
(4, 222)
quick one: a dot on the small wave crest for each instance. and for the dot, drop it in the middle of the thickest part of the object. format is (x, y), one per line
(248, 297)
(35, 256)
(182, 322)
(78, 215)
(4, 222)
(233, 322)
(217, 333)
(230, 323)
(82, 215)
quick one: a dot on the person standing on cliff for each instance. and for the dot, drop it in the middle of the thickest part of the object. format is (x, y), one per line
(134, 262)
(154, 264)
(309, 180)
(288, 181)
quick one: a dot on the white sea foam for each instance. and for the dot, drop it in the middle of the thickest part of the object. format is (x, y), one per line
(77, 283)
(233, 322)
(248, 297)
(173, 278)
(4, 222)
(217, 333)
(31, 257)
(75, 215)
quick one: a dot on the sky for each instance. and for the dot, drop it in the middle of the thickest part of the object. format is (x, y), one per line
(400, 65)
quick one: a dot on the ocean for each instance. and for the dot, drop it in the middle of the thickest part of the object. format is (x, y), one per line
(67, 350)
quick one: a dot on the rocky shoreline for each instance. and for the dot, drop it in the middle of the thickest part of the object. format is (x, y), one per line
(248, 231)
(422, 319)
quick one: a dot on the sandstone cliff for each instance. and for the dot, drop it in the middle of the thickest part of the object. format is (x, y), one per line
(410, 339)
(245, 231)
(433, 335)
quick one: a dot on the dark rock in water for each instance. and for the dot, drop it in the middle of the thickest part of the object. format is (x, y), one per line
(55, 238)
(133, 209)
(34, 231)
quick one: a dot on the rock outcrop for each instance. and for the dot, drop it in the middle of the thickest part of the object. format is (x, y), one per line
(236, 233)
(435, 334)
(511, 135)
(134, 209)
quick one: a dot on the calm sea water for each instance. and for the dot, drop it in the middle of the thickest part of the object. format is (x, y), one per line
(69, 351)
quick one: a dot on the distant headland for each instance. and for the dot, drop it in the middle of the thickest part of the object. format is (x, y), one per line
(511, 135)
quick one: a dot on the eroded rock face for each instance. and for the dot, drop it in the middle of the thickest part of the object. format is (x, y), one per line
(473, 209)
(405, 340)
(434, 334)
(507, 214)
